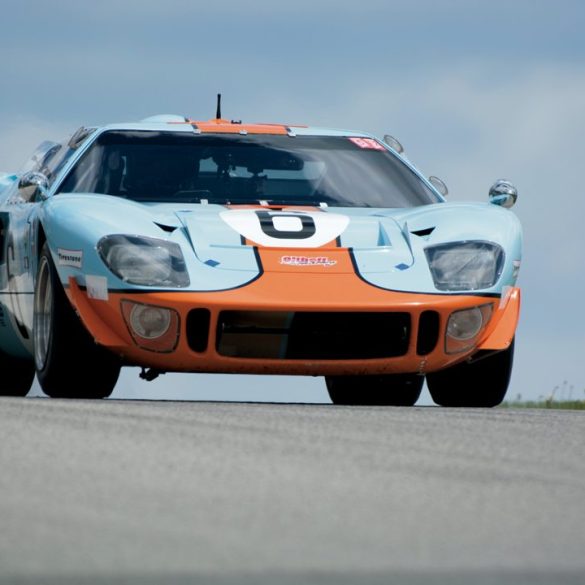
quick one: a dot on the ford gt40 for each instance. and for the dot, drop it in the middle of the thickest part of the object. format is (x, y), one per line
(184, 246)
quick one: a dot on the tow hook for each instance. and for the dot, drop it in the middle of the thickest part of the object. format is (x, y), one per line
(150, 374)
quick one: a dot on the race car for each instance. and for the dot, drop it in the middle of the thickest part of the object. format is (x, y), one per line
(179, 245)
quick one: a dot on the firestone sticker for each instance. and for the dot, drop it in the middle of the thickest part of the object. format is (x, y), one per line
(72, 258)
(307, 261)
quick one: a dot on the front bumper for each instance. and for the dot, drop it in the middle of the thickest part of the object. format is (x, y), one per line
(287, 293)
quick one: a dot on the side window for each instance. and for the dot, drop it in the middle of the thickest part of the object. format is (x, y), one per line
(44, 152)
(49, 158)
(53, 164)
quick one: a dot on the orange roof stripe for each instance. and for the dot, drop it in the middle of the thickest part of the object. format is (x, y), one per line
(220, 126)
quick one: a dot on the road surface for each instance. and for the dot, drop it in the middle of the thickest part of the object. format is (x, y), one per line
(237, 493)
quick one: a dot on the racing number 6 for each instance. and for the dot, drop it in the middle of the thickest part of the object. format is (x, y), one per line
(283, 227)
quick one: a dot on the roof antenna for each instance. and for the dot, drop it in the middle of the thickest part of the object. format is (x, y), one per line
(218, 112)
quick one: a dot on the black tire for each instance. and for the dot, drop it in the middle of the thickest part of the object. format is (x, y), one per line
(483, 383)
(386, 390)
(17, 375)
(69, 364)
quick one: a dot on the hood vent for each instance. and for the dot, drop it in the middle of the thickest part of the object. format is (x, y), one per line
(423, 233)
(166, 228)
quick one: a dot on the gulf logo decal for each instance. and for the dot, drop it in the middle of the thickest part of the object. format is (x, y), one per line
(290, 229)
(307, 261)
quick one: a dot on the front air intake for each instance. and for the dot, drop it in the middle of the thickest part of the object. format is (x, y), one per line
(428, 332)
(312, 335)
(198, 329)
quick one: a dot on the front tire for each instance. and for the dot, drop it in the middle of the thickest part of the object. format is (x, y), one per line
(16, 375)
(385, 390)
(62, 345)
(481, 384)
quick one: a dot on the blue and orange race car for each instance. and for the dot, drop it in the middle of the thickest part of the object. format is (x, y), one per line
(179, 245)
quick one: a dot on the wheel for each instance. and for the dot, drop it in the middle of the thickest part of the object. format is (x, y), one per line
(16, 375)
(387, 390)
(62, 345)
(478, 384)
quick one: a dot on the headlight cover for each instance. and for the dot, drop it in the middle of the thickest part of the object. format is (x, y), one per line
(144, 261)
(465, 326)
(465, 265)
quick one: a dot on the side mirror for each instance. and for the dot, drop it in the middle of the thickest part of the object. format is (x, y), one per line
(503, 193)
(439, 185)
(32, 183)
(393, 143)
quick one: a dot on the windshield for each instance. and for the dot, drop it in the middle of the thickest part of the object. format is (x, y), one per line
(236, 169)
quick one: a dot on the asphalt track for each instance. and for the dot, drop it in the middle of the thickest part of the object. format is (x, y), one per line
(236, 493)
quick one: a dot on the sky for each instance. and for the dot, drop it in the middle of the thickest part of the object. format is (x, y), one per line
(475, 90)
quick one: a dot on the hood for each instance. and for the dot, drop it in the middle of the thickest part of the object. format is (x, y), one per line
(225, 236)
(387, 246)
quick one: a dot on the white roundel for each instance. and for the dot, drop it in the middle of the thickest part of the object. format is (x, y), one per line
(283, 228)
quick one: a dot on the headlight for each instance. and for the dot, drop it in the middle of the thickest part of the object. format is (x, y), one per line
(465, 265)
(144, 261)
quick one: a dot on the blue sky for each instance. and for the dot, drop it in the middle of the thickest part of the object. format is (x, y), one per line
(476, 90)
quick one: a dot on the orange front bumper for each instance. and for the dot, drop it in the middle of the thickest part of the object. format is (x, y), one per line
(315, 291)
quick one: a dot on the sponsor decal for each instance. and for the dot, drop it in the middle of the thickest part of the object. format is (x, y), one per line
(307, 261)
(367, 143)
(70, 257)
(97, 287)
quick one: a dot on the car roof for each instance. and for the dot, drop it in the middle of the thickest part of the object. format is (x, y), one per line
(175, 123)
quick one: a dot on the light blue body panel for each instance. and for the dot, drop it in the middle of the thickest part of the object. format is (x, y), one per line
(401, 265)
(16, 270)
(100, 215)
(386, 251)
